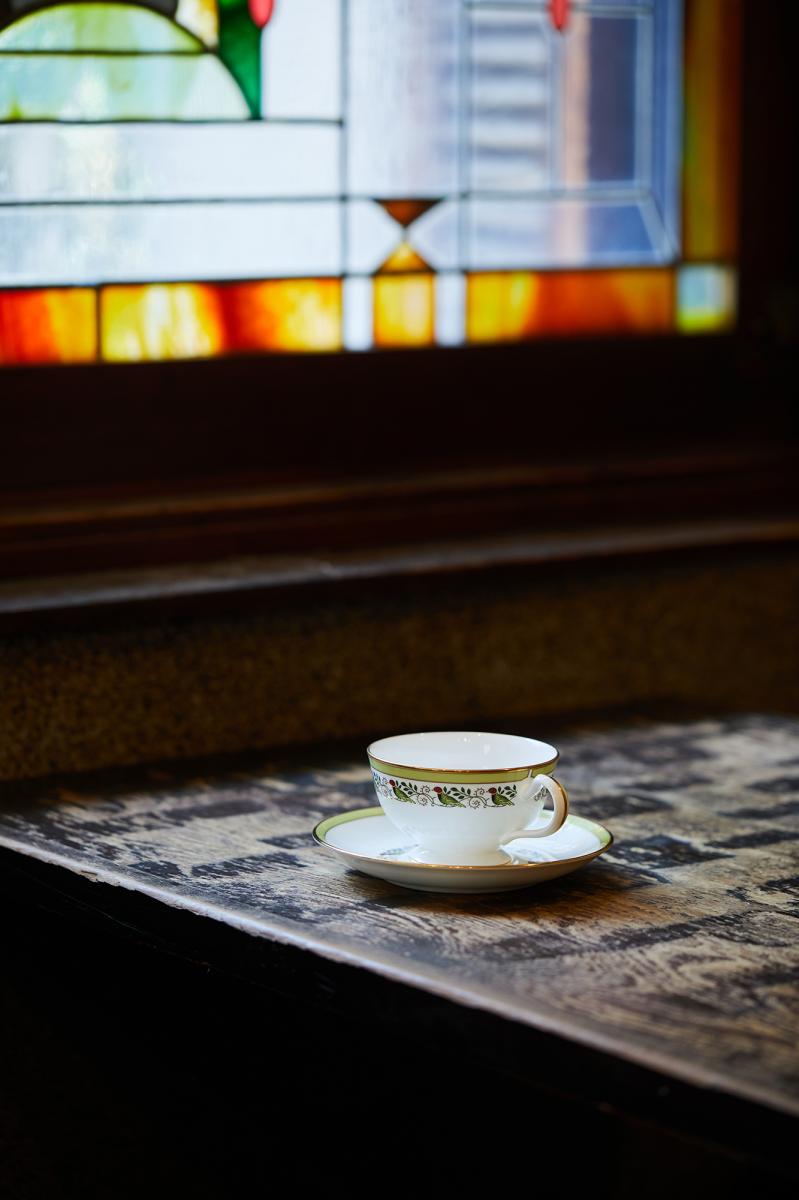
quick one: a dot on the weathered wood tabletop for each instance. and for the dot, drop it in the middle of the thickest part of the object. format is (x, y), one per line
(678, 950)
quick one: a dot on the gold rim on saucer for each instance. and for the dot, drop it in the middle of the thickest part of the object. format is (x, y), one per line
(604, 836)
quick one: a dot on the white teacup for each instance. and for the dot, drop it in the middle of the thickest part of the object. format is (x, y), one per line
(461, 796)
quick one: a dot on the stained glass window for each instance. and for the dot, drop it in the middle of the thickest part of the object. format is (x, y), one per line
(187, 178)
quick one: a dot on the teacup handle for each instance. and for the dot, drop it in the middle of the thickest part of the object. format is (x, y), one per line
(559, 799)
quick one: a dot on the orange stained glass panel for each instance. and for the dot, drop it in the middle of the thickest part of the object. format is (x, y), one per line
(196, 320)
(282, 314)
(712, 128)
(48, 326)
(512, 305)
(404, 310)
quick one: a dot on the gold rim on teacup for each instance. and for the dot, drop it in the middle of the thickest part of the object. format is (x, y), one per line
(457, 774)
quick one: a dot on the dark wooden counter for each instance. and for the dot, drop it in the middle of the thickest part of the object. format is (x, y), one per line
(667, 970)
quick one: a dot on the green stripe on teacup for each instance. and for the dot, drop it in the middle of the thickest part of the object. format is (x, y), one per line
(465, 777)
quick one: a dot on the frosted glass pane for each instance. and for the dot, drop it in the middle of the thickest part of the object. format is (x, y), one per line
(450, 309)
(706, 298)
(402, 115)
(510, 109)
(436, 235)
(371, 235)
(41, 87)
(600, 122)
(505, 234)
(543, 6)
(612, 102)
(301, 60)
(358, 323)
(666, 140)
(96, 27)
(126, 243)
(151, 162)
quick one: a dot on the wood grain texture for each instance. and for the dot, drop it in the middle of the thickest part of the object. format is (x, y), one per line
(47, 533)
(94, 600)
(677, 950)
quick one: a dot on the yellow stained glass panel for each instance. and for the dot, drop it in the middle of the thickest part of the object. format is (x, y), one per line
(157, 321)
(190, 320)
(404, 310)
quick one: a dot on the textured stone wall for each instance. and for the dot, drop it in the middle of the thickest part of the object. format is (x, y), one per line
(716, 634)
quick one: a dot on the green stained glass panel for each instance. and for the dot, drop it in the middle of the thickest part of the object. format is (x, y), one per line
(240, 49)
(85, 27)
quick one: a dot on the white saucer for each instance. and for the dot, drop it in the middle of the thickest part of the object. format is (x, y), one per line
(368, 842)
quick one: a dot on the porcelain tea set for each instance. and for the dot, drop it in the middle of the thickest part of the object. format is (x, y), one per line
(463, 812)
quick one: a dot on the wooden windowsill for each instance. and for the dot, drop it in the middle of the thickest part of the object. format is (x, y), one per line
(336, 527)
(101, 598)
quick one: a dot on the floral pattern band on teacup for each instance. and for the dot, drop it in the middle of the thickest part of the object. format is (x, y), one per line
(407, 791)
